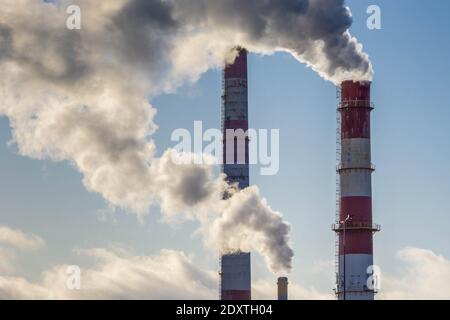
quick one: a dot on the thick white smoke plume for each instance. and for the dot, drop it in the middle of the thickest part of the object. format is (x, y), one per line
(82, 95)
(247, 222)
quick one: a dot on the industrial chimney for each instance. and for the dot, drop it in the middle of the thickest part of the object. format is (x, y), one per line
(235, 275)
(354, 226)
(282, 288)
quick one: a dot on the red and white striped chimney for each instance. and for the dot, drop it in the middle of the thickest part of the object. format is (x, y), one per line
(355, 228)
(235, 267)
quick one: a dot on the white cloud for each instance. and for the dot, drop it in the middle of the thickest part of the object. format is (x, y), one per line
(7, 261)
(18, 239)
(423, 275)
(117, 274)
(12, 241)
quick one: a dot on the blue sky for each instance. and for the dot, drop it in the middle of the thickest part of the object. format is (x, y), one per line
(411, 148)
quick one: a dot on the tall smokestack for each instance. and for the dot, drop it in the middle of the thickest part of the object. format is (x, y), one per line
(235, 268)
(355, 228)
(282, 288)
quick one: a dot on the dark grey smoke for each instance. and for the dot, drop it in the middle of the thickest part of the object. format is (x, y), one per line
(143, 34)
(146, 29)
(315, 31)
(5, 41)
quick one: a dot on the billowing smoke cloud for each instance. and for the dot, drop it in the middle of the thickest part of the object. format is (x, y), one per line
(82, 95)
(248, 223)
(314, 31)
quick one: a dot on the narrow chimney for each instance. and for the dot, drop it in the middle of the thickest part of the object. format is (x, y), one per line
(282, 288)
(354, 226)
(235, 273)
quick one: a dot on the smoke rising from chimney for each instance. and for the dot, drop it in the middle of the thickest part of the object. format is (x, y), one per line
(82, 96)
(313, 31)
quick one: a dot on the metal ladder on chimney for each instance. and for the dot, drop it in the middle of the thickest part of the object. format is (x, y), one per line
(220, 276)
(222, 102)
(222, 127)
(222, 109)
(338, 188)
